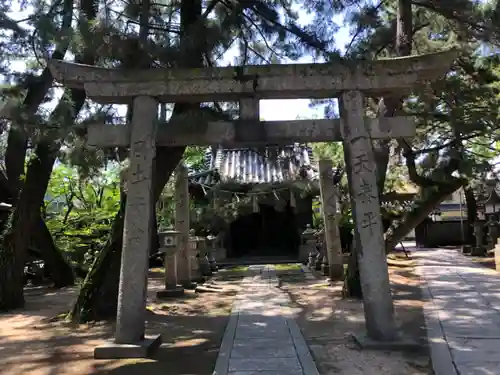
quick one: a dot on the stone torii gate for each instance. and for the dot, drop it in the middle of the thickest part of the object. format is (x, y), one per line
(349, 80)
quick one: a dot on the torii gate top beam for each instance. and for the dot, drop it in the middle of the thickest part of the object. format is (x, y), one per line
(287, 81)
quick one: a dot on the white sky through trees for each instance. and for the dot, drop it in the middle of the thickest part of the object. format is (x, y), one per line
(270, 110)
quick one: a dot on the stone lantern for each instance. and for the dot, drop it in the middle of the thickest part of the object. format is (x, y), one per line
(196, 250)
(168, 246)
(307, 250)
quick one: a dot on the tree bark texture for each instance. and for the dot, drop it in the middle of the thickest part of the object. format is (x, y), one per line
(393, 105)
(99, 293)
(98, 297)
(59, 270)
(26, 213)
(352, 280)
(37, 88)
(16, 238)
(396, 234)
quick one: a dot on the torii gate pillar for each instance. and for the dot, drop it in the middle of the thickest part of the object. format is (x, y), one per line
(130, 340)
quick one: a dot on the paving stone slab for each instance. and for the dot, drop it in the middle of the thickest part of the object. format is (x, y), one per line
(474, 350)
(451, 332)
(265, 364)
(303, 352)
(256, 350)
(475, 302)
(478, 369)
(263, 344)
(451, 293)
(263, 341)
(248, 320)
(464, 301)
(488, 322)
(261, 332)
(293, 372)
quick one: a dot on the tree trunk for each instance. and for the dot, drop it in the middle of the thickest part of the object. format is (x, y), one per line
(26, 214)
(11, 274)
(60, 271)
(392, 106)
(98, 296)
(24, 217)
(471, 202)
(17, 140)
(352, 280)
(395, 234)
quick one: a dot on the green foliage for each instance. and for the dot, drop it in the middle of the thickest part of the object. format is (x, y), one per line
(79, 211)
(329, 150)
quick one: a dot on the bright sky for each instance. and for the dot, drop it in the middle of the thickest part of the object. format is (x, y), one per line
(290, 109)
(271, 110)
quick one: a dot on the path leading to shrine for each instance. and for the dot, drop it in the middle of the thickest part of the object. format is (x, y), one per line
(262, 336)
(463, 313)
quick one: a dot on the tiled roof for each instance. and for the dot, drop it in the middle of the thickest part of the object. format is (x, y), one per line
(255, 166)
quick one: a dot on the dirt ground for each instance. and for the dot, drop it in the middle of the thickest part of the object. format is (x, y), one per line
(32, 343)
(487, 261)
(326, 320)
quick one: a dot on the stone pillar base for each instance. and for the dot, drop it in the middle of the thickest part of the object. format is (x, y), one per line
(466, 249)
(399, 343)
(141, 349)
(478, 251)
(325, 269)
(318, 264)
(190, 285)
(213, 266)
(200, 279)
(170, 292)
(336, 272)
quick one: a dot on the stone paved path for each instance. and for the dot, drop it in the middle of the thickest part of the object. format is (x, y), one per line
(463, 315)
(261, 337)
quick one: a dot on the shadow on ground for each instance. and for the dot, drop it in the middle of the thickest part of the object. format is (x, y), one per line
(33, 343)
(327, 321)
(466, 300)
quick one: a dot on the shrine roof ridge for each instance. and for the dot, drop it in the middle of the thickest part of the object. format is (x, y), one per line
(74, 74)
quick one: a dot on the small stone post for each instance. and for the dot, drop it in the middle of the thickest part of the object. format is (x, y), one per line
(138, 227)
(321, 247)
(333, 247)
(293, 200)
(325, 267)
(479, 249)
(374, 273)
(255, 204)
(492, 233)
(194, 253)
(212, 262)
(168, 245)
(497, 255)
(182, 226)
